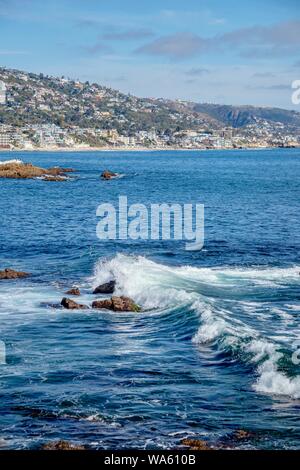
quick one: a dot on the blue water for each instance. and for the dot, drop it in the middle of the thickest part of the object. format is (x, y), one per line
(212, 350)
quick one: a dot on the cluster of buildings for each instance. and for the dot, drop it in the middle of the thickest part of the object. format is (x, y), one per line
(2, 93)
(51, 136)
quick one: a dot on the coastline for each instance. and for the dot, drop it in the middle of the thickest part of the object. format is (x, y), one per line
(131, 149)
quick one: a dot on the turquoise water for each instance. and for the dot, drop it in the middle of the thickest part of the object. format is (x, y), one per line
(212, 350)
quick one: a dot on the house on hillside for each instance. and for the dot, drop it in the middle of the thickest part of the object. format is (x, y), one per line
(2, 93)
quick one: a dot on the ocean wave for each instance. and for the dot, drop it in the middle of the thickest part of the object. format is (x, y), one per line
(231, 322)
(54, 178)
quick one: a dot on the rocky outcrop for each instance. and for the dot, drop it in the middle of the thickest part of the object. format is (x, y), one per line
(19, 170)
(73, 291)
(108, 175)
(11, 274)
(71, 305)
(117, 304)
(107, 288)
(62, 445)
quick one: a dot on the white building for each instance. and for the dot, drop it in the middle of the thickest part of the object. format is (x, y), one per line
(2, 93)
(4, 140)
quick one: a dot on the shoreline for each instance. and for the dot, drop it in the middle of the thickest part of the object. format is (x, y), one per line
(133, 149)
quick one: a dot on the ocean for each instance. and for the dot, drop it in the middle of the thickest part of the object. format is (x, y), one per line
(214, 350)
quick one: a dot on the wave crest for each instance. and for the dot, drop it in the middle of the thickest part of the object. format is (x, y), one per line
(234, 308)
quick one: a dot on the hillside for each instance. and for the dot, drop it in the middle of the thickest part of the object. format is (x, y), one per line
(40, 112)
(240, 116)
(40, 99)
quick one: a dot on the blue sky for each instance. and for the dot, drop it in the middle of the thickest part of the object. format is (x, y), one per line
(232, 52)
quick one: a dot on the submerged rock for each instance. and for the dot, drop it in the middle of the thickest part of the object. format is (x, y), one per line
(196, 444)
(19, 170)
(241, 434)
(107, 288)
(71, 305)
(56, 170)
(53, 178)
(108, 175)
(12, 274)
(62, 445)
(117, 304)
(229, 442)
(73, 291)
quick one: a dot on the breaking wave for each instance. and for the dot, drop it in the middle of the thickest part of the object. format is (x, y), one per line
(249, 314)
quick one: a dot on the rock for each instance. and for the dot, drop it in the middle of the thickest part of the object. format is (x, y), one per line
(124, 304)
(228, 443)
(19, 170)
(107, 288)
(73, 291)
(71, 305)
(53, 178)
(117, 304)
(62, 445)
(56, 170)
(196, 444)
(108, 175)
(241, 434)
(11, 274)
(99, 304)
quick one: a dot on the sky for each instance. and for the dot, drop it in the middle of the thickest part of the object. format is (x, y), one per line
(216, 51)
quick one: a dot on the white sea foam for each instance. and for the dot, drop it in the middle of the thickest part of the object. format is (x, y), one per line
(150, 284)
(156, 286)
(233, 326)
(56, 177)
(270, 379)
(8, 162)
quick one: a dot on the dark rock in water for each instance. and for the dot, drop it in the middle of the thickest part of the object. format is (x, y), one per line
(73, 291)
(117, 304)
(108, 175)
(53, 178)
(241, 434)
(107, 288)
(11, 274)
(230, 442)
(99, 304)
(56, 171)
(62, 445)
(124, 304)
(71, 305)
(196, 444)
